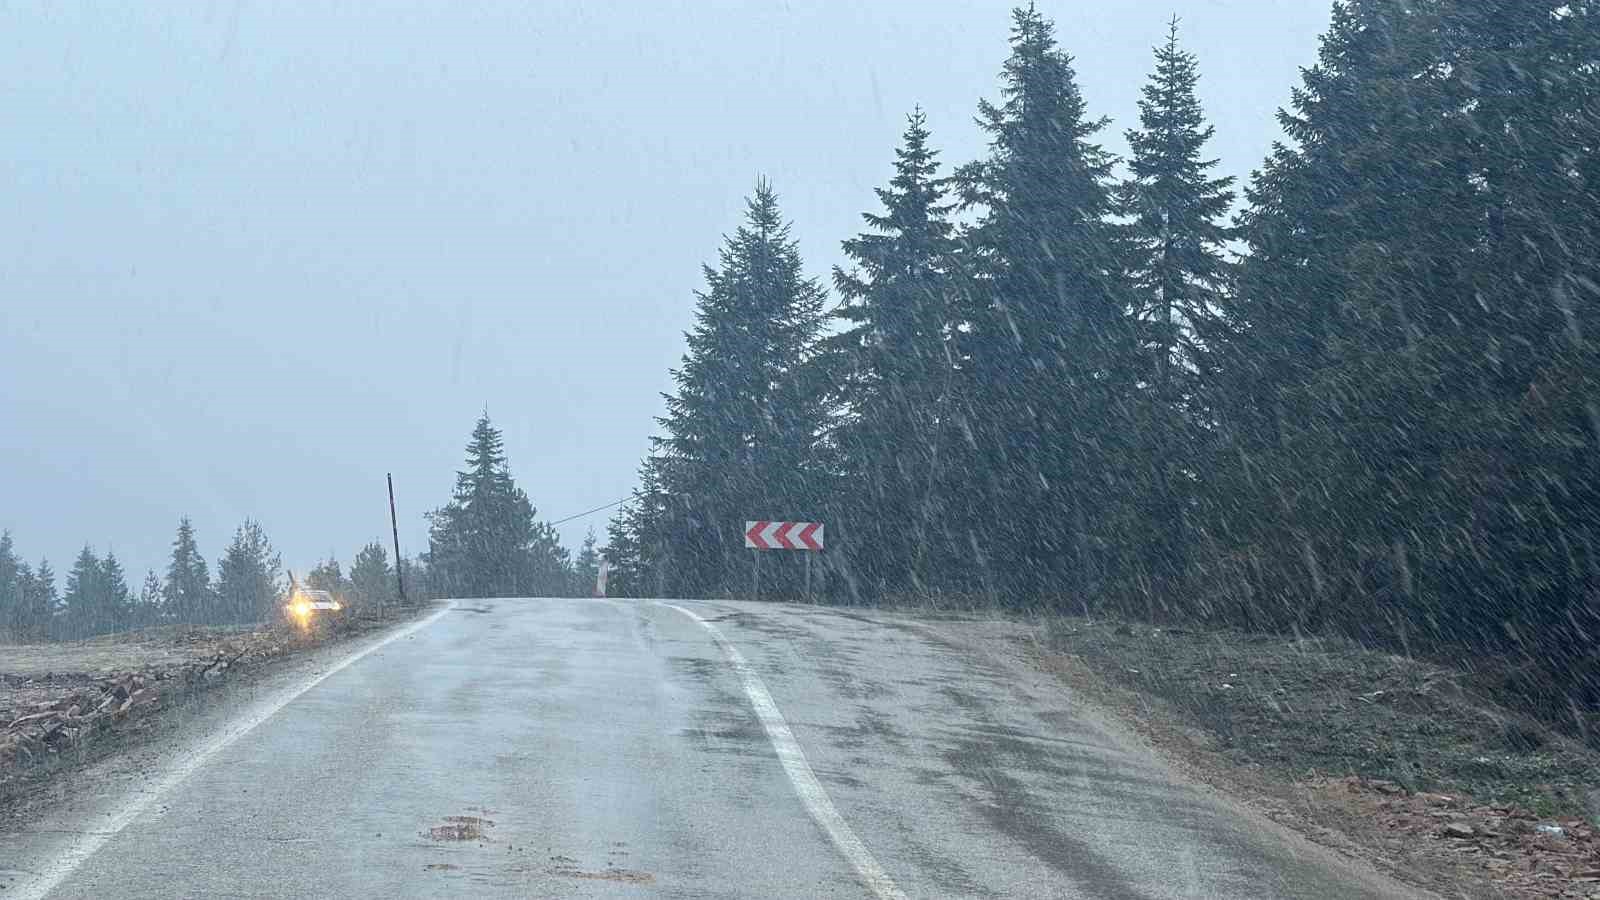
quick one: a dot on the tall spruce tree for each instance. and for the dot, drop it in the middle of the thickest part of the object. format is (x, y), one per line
(740, 433)
(1182, 272)
(247, 587)
(1050, 356)
(897, 371)
(1180, 232)
(486, 541)
(186, 593)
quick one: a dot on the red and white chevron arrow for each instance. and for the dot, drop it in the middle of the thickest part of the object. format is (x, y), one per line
(783, 535)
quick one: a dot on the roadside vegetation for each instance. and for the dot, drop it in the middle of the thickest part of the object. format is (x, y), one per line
(1353, 398)
(1409, 764)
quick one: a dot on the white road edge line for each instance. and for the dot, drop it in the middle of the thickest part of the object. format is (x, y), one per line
(76, 853)
(805, 782)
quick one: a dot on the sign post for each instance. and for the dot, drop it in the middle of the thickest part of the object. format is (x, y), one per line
(764, 535)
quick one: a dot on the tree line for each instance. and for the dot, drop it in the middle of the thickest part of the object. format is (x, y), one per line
(250, 586)
(486, 542)
(96, 597)
(1052, 378)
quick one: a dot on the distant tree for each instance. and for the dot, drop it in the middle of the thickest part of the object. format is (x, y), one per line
(327, 576)
(116, 601)
(33, 618)
(637, 549)
(419, 582)
(1050, 357)
(247, 587)
(586, 568)
(147, 609)
(85, 597)
(371, 578)
(551, 564)
(740, 433)
(186, 594)
(10, 585)
(896, 371)
(486, 541)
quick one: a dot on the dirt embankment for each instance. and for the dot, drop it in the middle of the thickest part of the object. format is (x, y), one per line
(1392, 760)
(63, 705)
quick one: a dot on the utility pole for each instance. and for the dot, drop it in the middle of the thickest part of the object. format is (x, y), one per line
(399, 568)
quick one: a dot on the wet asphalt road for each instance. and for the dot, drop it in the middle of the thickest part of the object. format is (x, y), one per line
(581, 748)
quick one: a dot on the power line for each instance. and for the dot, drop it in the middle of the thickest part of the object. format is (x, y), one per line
(591, 511)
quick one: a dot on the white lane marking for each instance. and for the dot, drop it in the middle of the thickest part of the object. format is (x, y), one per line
(76, 853)
(805, 782)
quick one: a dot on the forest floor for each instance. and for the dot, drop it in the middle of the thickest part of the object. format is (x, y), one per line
(1399, 762)
(65, 705)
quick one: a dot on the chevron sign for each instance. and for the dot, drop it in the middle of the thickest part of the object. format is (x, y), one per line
(783, 535)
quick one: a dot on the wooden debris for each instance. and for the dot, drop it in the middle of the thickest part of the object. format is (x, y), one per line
(87, 704)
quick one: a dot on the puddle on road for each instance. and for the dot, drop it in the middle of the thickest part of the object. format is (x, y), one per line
(461, 828)
(625, 876)
(470, 828)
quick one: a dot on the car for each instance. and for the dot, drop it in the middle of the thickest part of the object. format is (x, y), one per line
(307, 606)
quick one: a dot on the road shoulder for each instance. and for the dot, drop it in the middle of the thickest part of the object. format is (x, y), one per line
(168, 687)
(1384, 763)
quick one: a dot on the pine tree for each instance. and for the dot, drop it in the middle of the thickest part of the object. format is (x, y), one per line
(636, 545)
(486, 541)
(116, 601)
(897, 371)
(10, 585)
(419, 581)
(327, 576)
(186, 594)
(147, 609)
(1050, 355)
(1180, 235)
(741, 430)
(85, 596)
(39, 603)
(371, 578)
(1410, 393)
(1181, 273)
(550, 571)
(586, 568)
(247, 588)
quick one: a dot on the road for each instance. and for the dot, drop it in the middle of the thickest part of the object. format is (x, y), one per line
(595, 748)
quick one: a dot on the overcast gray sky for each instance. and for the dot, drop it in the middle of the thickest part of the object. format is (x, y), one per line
(255, 255)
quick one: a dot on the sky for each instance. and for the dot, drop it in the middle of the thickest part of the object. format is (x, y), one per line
(254, 256)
